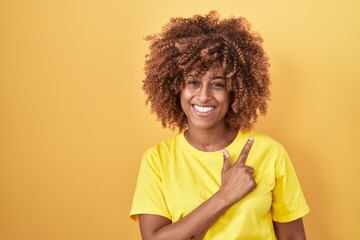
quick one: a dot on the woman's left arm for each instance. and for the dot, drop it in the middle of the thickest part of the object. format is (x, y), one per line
(290, 230)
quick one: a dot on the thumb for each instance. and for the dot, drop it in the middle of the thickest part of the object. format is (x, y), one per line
(227, 161)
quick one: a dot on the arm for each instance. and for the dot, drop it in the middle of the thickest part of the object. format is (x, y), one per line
(236, 182)
(290, 230)
(192, 226)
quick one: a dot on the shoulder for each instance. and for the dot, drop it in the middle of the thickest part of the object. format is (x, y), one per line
(268, 148)
(265, 141)
(162, 149)
(165, 144)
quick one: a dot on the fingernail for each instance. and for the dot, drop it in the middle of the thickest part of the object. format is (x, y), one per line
(251, 139)
(224, 153)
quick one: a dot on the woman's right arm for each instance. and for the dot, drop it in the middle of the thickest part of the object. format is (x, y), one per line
(237, 181)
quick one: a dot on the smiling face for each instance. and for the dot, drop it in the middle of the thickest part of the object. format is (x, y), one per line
(205, 100)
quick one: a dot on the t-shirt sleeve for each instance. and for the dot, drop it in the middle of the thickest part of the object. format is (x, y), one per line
(289, 202)
(149, 195)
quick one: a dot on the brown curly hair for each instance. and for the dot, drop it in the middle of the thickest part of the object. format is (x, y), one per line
(200, 43)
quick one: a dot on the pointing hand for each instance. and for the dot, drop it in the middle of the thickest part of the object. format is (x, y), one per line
(237, 180)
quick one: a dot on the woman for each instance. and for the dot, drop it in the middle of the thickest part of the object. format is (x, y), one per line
(217, 179)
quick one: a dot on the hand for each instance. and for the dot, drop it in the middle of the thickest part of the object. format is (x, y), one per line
(237, 181)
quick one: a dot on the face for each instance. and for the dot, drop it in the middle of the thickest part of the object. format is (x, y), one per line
(205, 100)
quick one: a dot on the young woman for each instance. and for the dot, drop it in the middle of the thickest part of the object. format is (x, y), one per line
(217, 179)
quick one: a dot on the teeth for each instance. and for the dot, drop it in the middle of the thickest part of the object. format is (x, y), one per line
(203, 109)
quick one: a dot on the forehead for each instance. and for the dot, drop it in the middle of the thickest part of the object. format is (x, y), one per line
(211, 73)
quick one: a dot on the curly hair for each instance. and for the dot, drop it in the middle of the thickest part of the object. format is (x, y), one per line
(200, 43)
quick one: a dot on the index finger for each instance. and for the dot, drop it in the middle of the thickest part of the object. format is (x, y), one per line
(245, 152)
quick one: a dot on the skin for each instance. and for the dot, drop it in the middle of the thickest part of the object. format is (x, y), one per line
(207, 131)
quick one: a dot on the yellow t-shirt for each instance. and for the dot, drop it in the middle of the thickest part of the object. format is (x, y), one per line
(175, 178)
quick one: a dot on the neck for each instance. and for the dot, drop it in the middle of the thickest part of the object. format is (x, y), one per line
(210, 140)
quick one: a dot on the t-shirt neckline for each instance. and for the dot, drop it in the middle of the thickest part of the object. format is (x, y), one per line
(186, 145)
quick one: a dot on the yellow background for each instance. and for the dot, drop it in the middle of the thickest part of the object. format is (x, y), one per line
(73, 124)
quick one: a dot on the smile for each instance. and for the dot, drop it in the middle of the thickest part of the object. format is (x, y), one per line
(203, 109)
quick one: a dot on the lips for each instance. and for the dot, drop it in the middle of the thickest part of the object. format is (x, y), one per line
(203, 110)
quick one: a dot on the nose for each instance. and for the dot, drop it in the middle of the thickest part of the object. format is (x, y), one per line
(204, 93)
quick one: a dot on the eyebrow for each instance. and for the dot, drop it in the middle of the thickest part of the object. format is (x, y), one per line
(218, 77)
(212, 77)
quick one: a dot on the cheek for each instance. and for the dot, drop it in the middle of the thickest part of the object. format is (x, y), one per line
(183, 100)
(226, 104)
(185, 96)
(225, 99)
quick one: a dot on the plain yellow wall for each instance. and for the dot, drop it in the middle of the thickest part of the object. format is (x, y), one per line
(73, 124)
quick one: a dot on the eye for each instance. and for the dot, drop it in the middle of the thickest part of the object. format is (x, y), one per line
(192, 83)
(218, 84)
